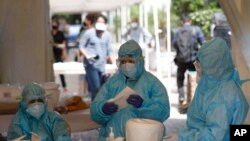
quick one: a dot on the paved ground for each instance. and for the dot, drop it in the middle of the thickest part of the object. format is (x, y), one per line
(174, 122)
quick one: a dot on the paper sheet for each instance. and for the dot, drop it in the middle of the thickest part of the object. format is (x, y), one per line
(19, 138)
(121, 98)
(35, 137)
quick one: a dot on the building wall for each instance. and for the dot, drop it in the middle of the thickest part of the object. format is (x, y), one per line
(25, 53)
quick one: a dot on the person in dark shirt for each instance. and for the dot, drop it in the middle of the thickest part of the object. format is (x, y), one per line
(59, 48)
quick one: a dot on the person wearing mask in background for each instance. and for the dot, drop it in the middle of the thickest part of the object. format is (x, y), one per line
(137, 33)
(219, 101)
(186, 41)
(59, 48)
(33, 117)
(64, 27)
(89, 46)
(149, 102)
(105, 41)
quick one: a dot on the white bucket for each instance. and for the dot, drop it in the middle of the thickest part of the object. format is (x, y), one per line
(52, 94)
(144, 130)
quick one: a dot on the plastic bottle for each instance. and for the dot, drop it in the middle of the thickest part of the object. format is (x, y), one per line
(111, 134)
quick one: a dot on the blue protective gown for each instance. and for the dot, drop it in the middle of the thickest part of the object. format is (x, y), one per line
(50, 127)
(155, 105)
(218, 100)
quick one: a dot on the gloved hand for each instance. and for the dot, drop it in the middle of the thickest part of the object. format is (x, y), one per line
(109, 108)
(135, 100)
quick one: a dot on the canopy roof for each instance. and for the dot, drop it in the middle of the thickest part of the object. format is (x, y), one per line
(79, 6)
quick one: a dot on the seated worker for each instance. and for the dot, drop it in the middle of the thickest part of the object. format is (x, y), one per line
(33, 116)
(218, 101)
(149, 102)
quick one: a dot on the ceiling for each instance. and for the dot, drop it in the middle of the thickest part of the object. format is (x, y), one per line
(79, 6)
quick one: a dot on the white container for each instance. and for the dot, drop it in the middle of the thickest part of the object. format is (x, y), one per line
(144, 130)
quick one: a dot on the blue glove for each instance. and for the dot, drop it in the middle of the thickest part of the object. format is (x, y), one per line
(109, 108)
(135, 100)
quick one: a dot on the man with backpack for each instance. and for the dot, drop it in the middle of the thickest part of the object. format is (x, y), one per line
(186, 41)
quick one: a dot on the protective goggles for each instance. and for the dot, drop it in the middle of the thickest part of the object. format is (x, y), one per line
(125, 60)
(36, 101)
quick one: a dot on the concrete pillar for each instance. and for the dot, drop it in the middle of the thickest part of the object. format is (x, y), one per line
(25, 55)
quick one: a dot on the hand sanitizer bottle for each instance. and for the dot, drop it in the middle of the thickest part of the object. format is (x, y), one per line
(111, 134)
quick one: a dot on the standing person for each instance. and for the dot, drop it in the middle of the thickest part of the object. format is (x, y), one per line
(221, 28)
(59, 48)
(219, 101)
(105, 41)
(150, 101)
(90, 49)
(186, 41)
(137, 33)
(64, 27)
(33, 116)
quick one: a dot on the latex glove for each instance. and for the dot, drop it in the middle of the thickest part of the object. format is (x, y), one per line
(135, 100)
(109, 108)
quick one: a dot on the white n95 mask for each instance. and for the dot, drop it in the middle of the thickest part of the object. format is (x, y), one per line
(129, 69)
(36, 110)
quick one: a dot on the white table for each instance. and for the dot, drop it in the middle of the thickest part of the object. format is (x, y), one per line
(77, 68)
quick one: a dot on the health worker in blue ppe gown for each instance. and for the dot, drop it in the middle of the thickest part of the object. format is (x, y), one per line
(149, 102)
(33, 116)
(218, 101)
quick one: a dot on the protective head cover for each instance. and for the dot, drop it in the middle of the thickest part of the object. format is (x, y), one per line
(218, 100)
(31, 92)
(50, 126)
(215, 59)
(132, 49)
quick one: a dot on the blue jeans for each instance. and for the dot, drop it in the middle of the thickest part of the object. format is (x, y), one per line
(94, 79)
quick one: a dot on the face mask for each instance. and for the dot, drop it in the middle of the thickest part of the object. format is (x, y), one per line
(36, 110)
(129, 69)
(134, 25)
(54, 27)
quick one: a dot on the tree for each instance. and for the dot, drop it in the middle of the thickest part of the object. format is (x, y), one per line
(200, 11)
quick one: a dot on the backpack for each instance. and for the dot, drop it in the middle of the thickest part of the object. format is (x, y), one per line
(186, 45)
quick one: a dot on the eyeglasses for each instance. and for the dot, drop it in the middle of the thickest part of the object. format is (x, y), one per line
(35, 101)
(125, 60)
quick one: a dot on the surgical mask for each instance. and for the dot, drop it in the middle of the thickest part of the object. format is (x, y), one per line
(36, 109)
(134, 24)
(129, 69)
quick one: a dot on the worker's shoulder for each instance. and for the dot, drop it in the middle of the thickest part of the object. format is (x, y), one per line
(231, 89)
(148, 76)
(54, 115)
